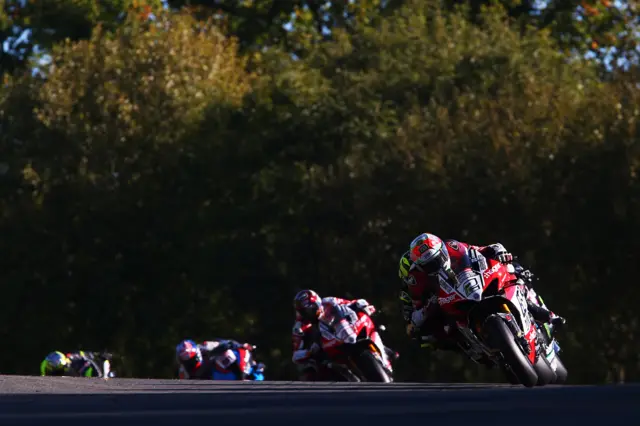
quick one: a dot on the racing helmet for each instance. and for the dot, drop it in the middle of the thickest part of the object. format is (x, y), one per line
(188, 354)
(405, 265)
(308, 304)
(429, 254)
(54, 364)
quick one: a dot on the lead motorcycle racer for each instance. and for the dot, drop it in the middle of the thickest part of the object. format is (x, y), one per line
(430, 262)
(310, 309)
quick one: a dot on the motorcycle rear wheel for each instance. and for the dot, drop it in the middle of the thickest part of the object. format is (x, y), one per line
(371, 368)
(500, 337)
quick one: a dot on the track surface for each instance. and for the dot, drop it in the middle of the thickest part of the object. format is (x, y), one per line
(124, 402)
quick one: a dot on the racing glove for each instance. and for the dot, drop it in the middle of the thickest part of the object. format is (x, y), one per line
(248, 346)
(418, 317)
(501, 253)
(364, 306)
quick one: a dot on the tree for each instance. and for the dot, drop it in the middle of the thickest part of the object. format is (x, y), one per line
(293, 24)
(106, 158)
(383, 132)
(30, 27)
(157, 190)
(604, 29)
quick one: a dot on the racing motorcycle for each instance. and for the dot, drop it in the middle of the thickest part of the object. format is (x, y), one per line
(552, 350)
(488, 305)
(243, 357)
(552, 347)
(351, 342)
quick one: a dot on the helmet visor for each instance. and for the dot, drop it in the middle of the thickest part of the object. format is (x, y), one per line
(437, 262)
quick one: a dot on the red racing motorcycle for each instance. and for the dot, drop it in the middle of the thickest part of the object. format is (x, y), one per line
(353, 346)
(488, 305)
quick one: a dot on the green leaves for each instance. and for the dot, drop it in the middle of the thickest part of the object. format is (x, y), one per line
(27, 24)
(603, 29)
(296, 25)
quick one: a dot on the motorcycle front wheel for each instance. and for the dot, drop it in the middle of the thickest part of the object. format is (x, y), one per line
(371, 368)
(501, 338)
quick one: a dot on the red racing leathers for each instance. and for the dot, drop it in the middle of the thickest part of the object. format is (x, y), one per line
(307, 343)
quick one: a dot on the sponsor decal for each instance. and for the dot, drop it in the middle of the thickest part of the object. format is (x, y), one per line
(445, 300)
(453, 244)
(444, 285)
(491, 271)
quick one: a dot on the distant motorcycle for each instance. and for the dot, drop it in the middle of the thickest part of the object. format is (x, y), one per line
(244, 359)
(353, 347)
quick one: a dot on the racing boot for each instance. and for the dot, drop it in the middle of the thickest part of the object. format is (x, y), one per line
(430, 341)
(539, 313)
(557, 322)
(551, 321)
(426, 341)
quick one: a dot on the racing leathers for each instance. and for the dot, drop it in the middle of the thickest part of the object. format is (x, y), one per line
(421, 311)
(199, 361)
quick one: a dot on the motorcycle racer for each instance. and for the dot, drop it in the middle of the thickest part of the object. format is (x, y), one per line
(310, 309)
(77, 364)
(198, 361)
(431, 261)
(535, 299)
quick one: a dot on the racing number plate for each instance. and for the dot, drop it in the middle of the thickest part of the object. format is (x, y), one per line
(470, 284)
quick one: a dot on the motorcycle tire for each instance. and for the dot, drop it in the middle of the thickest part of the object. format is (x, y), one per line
(545, 372)
(502, 339)
(511, 378)
(371, 368)
(561, 372)
(342, 374)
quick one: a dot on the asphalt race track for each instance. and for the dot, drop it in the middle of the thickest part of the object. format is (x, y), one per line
(123, 402)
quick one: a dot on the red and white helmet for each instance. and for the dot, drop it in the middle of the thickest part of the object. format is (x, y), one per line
(429, 254)
(308, 304)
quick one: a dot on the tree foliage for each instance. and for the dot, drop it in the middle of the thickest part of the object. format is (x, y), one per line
(604, 29)
(600, 28)
(294, 24)
(154, 189)
(28, 24)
